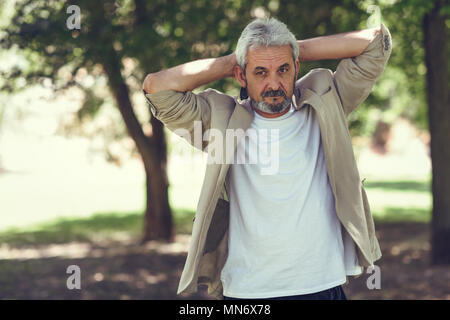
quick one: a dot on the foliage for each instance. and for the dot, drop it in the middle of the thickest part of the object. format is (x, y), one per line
(163, 33)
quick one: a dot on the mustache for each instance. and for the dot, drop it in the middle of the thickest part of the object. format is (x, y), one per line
(274, 93)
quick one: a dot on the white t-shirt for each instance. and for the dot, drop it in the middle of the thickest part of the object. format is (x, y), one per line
(284, 234)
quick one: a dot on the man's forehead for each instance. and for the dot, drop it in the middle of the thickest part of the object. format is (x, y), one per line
(269, 56)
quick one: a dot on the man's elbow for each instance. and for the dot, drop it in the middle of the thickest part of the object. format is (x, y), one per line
(149, 84)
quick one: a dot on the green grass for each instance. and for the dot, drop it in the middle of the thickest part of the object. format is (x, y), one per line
(90, 229)
(402, 185)
(64, 230)
(400, 200)
(396, 214)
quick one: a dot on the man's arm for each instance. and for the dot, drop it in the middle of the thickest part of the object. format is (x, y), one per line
(190, 75)
(365, 54)
(169, 93)
(355, 77)
(338, 46)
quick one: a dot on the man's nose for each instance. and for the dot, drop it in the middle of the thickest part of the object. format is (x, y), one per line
(273, 83)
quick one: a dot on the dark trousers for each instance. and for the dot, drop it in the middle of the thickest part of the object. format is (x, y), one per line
(336, 293)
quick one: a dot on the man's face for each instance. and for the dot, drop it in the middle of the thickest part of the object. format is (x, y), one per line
(269, 78)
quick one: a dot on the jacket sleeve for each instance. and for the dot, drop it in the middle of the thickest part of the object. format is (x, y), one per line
(355, 77)
(185, 113)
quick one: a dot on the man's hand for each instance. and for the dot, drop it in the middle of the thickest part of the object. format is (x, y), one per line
(338, 46)
(188, 76)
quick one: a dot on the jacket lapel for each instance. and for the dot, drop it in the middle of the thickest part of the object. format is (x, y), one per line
(309, 97)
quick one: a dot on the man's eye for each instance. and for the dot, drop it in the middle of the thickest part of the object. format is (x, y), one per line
(260, 73)
(283, 70)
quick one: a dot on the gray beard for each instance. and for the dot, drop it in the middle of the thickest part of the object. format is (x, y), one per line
(270, 107)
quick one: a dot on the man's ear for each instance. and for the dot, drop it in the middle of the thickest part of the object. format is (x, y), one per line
(297, 67)
(239, 75)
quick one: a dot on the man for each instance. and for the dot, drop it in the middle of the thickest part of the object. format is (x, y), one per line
(299, 232)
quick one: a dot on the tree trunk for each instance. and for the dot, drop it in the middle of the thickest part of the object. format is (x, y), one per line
(158, 215)
(439, 123)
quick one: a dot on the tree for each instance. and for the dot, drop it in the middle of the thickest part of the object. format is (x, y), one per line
(420, 35)
(436, 57)
(39, 29)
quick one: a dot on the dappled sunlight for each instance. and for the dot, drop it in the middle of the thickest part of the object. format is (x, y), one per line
(151, 278)
(104, 248)
(140, 279)
(117, 271)
(127, 270)
(406, 272)
(180, 245)
(71, 250)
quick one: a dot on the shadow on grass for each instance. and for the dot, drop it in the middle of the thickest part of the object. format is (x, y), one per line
(128, 275)
(97, 226)
(420, 186)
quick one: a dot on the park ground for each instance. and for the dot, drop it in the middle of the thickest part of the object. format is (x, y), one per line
(117, 267)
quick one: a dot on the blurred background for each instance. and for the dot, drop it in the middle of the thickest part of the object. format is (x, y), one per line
(89, 178)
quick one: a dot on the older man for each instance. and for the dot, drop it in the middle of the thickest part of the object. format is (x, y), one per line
(299, 232)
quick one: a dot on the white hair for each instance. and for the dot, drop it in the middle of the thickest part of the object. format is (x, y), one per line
(264, 32)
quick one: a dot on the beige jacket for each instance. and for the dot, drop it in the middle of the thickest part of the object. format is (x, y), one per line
(333, 96)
